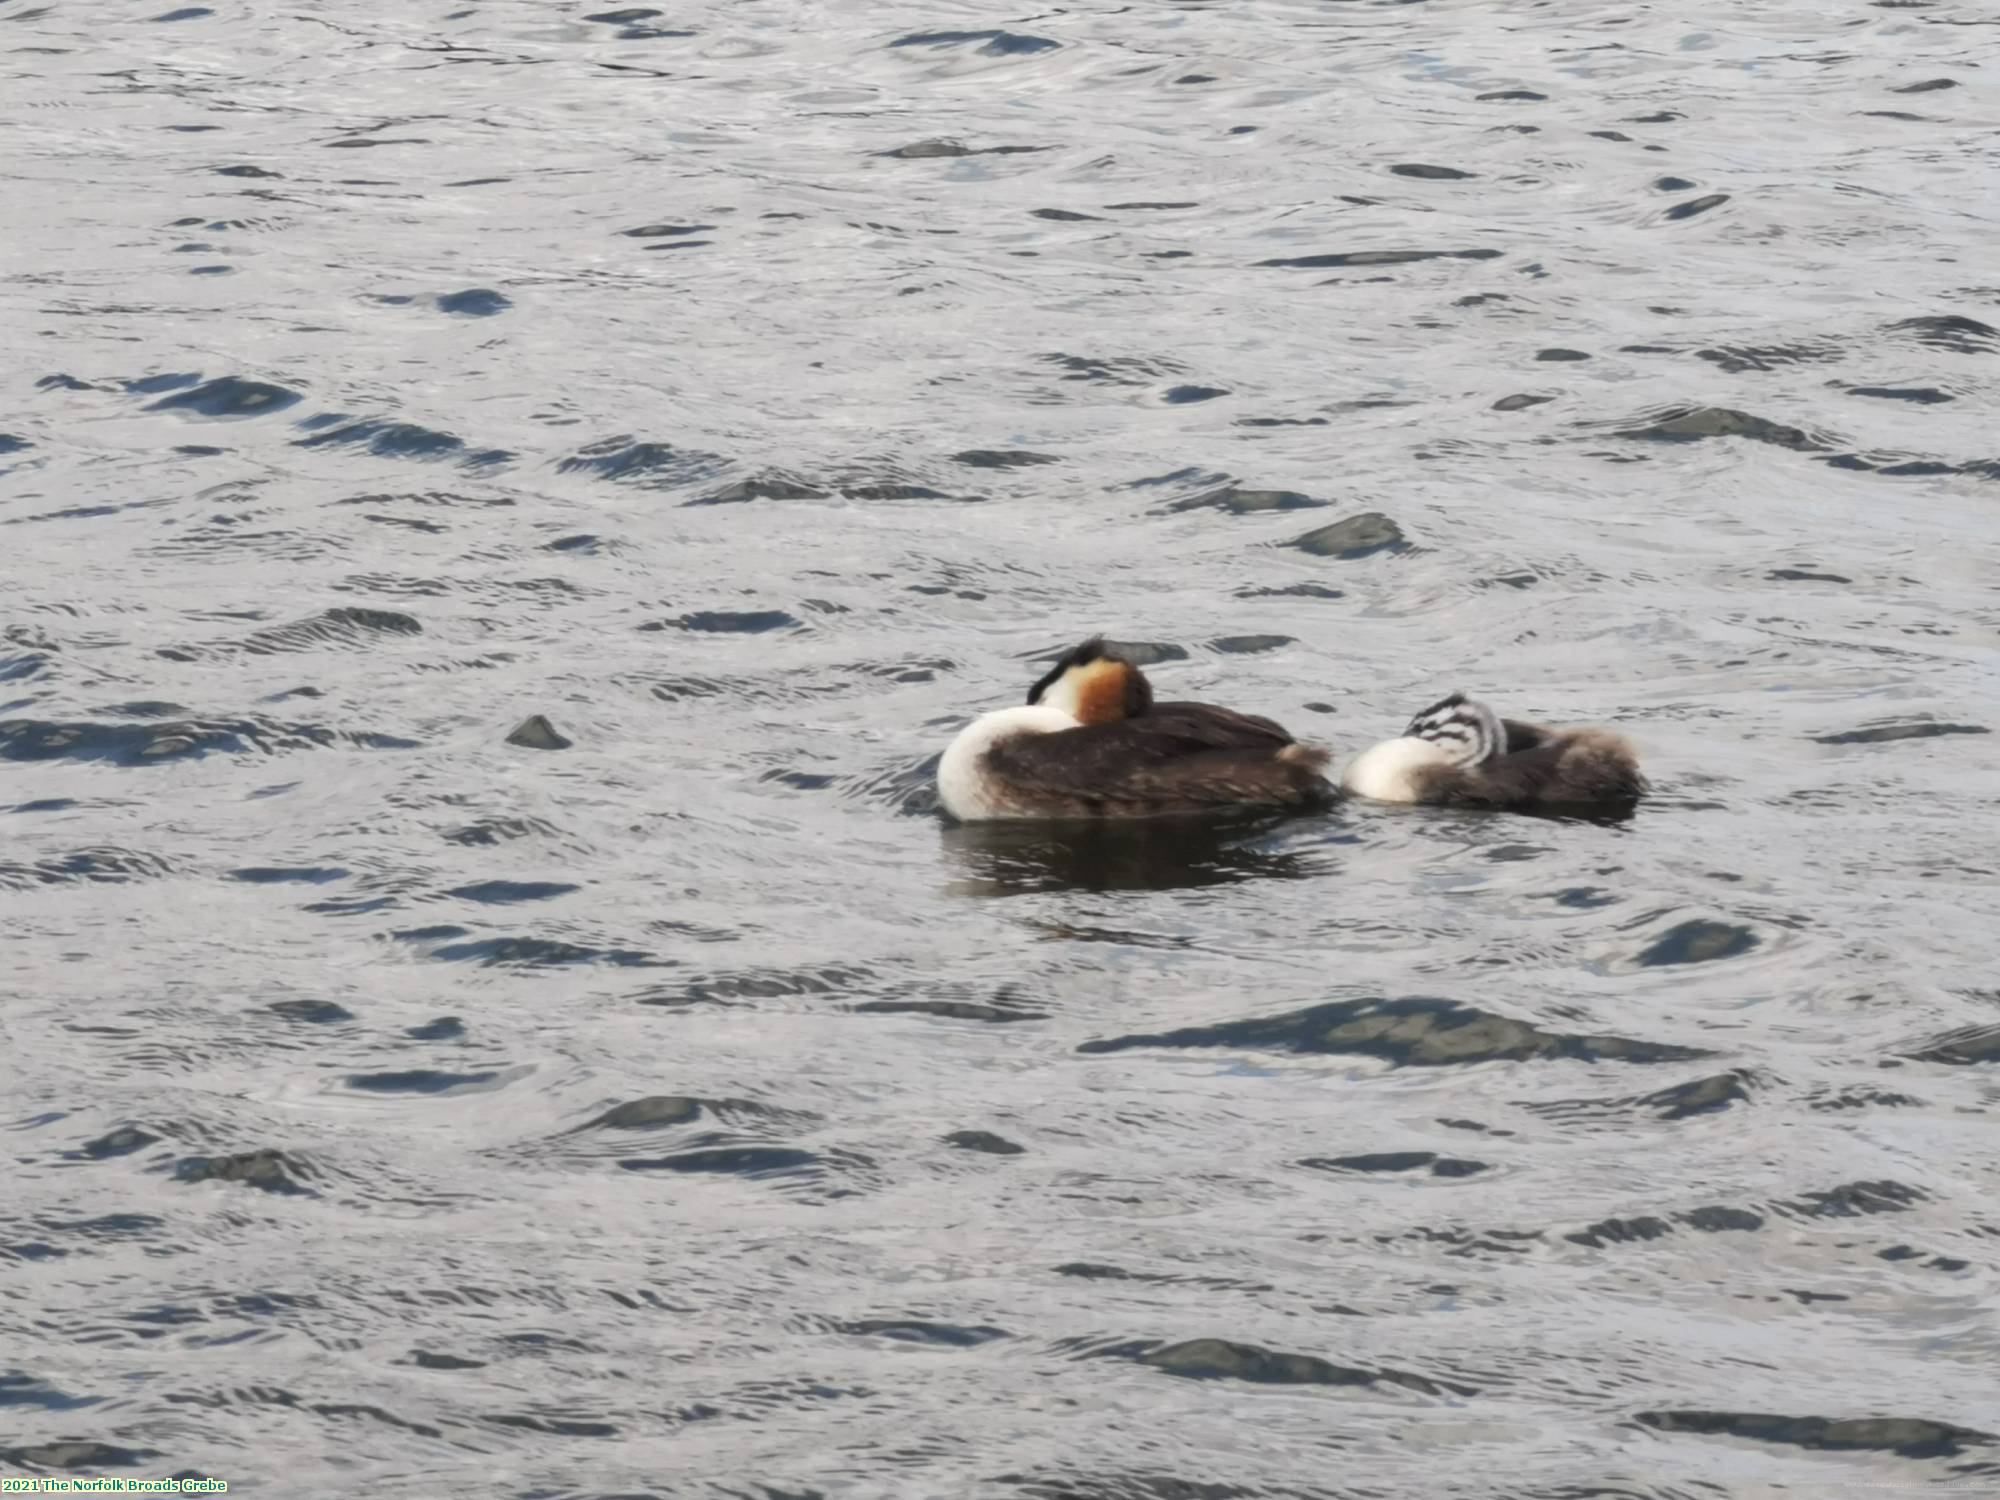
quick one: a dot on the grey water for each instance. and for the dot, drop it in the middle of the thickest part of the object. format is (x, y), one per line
(663, 1099)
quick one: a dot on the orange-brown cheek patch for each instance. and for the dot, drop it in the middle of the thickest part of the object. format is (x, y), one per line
(1100, 696)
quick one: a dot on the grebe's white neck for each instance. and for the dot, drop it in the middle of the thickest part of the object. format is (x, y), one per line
(1064, 695)
(1392, 771)
(966, 787)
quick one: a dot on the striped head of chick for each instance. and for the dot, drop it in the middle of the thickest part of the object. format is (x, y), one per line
(1469, 732)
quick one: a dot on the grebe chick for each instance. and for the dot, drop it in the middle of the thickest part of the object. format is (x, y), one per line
(1460, 752)
(1092, 743)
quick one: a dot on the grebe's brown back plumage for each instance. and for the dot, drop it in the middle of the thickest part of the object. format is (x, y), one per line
(1176, 757)
(1092, 743)
(1459, 752)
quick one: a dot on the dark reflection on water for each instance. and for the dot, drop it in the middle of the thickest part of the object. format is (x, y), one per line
(502, 506)
(1144, 854)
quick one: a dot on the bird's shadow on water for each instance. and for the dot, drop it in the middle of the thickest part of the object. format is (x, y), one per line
(1128, 854)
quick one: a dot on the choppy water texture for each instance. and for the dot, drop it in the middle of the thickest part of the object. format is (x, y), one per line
(406, 1096)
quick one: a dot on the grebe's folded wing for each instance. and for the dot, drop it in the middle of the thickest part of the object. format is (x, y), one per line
(1205, 726)
(1175, 757)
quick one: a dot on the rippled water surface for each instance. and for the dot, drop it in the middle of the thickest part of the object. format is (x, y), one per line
(661, 1099)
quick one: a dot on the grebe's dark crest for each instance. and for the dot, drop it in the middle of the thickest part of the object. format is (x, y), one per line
(1094, 685)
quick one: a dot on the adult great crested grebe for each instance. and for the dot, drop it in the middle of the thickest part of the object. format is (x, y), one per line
(1092, 743)
(1459, 752)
